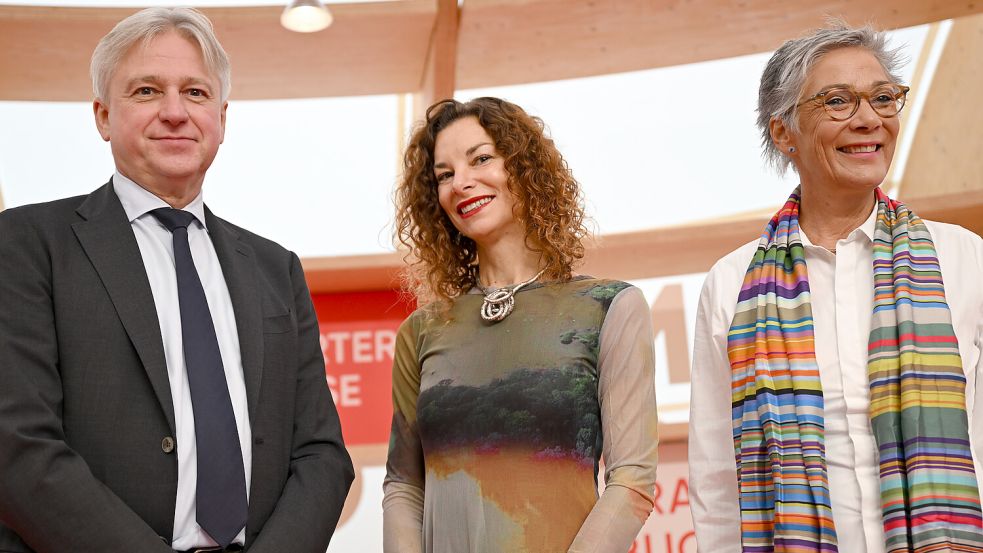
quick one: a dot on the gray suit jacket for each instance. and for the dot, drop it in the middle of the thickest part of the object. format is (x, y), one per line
(86, 416)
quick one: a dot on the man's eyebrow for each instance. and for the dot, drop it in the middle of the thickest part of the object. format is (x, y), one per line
(197, 81)
(142, 79)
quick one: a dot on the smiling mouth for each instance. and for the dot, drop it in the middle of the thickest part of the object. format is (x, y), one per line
(861, 149)
(470, 208)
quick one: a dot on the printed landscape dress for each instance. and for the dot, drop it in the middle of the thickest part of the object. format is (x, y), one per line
(498, 428)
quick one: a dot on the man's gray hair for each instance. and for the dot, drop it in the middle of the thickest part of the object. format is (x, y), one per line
(786, 72)
(146, 25)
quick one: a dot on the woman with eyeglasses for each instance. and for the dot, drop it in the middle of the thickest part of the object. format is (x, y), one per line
(838, 357)
(516, 376)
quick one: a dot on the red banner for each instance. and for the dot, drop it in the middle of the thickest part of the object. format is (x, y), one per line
(358, 332)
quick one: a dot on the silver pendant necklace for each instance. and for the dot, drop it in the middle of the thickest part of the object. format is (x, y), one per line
(499, 302)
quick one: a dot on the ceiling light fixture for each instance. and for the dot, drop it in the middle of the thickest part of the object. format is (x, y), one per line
(306, 16)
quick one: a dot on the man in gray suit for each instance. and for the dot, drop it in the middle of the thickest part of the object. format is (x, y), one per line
(161, 380)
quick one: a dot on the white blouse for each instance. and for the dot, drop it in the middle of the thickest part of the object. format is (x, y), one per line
(842, 287)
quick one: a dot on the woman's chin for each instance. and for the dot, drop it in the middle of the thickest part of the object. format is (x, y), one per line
(857, 182)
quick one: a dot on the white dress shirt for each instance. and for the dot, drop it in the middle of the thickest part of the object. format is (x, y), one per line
(842, 287)
(157, 250)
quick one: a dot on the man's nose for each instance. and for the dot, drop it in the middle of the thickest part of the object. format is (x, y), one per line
(172, 109)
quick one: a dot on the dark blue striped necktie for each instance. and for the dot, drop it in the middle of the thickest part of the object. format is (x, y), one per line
(221, 485)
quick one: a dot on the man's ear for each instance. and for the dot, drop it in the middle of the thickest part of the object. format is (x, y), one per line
(782, 137)
(225, 107)
(101, 112)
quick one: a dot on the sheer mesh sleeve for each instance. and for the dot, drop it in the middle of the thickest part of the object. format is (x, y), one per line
(629, 424)
(402, 503)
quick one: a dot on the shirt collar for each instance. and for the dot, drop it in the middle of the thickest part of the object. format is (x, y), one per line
(138, 201)
(866, 229)
(870, 224)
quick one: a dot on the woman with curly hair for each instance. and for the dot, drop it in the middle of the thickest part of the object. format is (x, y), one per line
(516, 375)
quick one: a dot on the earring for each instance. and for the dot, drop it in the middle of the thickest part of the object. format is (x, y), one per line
(791, 149)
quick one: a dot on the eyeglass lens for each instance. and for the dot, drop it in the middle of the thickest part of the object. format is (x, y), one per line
(842, 103)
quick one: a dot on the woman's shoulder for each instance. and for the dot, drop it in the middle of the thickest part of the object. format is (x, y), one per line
(597, 288)
(947, 233)
(432, 317)
(960, 254)
(956, 245)
(722, 285)
(420, 317)
(588, 281)
(730, 269)
(610, 295)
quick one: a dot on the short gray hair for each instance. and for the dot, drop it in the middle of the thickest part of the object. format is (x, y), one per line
(146, 25)
(787, 70)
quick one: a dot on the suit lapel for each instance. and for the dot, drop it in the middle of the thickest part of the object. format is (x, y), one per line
(240, 271)
(108, 241)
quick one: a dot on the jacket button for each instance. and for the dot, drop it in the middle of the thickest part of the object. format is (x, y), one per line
(167, 444)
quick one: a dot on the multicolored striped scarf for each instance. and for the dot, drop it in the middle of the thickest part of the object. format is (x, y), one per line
(918, 415)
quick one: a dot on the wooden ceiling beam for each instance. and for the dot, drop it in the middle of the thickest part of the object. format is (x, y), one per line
(384, 47)
(438, 81)
(507, 42)
(353, 273)
(371, 48)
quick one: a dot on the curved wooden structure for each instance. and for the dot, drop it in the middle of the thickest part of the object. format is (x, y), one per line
(436, 46)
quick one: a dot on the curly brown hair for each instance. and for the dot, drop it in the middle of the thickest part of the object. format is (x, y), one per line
(443, 263)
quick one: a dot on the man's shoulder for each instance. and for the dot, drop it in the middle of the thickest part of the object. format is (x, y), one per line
(43, 210)
(94, 203)
(41, 218)
(257, 242)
